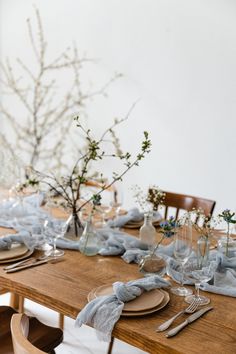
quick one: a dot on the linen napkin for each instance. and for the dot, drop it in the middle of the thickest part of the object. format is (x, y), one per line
(133, 215)
(103, 312)
(8, 240)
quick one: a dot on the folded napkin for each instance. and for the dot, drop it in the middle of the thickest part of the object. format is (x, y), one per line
(132, 215)
(224, 282)
(103, 312)
(8, 240)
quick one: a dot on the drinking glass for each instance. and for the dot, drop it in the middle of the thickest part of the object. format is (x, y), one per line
(116, 198)
(104, 209)
(55, 229)
(199, 273)
(182, 251)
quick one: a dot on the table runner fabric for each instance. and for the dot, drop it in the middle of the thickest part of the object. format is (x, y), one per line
(27, 210)
(103, 312)
(224, 281)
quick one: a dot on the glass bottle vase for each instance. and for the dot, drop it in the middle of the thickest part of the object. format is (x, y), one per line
(147, 232)
(88, 242)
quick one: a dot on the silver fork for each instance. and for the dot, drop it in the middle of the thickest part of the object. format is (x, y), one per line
(31, 259)
(190, 309)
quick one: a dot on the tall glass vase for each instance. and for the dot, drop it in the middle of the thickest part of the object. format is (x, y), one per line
(147, 232)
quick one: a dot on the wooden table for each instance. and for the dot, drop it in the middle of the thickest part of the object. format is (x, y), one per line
(64, 287)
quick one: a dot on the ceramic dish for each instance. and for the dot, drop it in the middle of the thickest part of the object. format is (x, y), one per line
(166, 299)
(19, 258)
(16, 250)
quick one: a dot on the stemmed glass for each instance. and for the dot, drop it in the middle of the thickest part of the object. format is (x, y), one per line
(116, 198)
(55, 229)
(182, 251)
(199, 273)
(105, 207)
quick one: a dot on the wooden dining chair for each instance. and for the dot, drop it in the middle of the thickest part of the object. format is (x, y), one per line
(42, 337)
(187, 203)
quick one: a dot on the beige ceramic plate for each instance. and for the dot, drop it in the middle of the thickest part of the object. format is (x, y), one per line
(19, 258)
(138, 224)
(146, 301)
(166, 299)
(16, 250)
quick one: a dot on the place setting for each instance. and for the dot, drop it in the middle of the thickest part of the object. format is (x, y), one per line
(148, 302)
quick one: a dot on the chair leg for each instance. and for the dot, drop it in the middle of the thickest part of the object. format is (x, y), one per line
(110, 345)
(61, 321)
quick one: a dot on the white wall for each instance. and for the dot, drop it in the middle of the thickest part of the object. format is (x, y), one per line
(178, 57)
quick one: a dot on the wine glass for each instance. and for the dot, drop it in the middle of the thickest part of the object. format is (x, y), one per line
(199, 273)
(116, 198)
(182, 251)
(105, 207)
(55, 229)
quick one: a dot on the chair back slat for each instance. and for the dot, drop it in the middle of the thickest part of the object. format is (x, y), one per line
(187, 203)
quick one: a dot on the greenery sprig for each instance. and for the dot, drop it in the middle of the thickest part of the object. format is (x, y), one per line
(69, 187)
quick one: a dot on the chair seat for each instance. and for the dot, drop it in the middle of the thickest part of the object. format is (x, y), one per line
(41, 336)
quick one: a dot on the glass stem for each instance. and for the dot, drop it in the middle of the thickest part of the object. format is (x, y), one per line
(182, 274)
(197, 287)
(54, 244)
(227, 242)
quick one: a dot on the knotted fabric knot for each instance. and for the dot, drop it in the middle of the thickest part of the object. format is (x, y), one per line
(125, 293)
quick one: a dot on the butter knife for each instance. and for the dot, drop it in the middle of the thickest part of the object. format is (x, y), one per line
(189, 320)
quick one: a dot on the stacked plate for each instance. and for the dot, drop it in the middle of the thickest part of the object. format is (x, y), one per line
(148, 302)
(137, 224)
(15, 253)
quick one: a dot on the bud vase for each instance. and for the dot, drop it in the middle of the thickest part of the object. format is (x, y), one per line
(152, 264)
(147, 232)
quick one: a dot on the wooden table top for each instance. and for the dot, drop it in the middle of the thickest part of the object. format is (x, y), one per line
(64, 287)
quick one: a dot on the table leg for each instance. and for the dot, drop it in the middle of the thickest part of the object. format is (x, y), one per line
(21, 304)
(110, 345)
(14, 301)
(61, 321)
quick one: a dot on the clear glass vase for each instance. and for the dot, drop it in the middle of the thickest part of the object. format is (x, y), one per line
(152, 264)
(203, 247)
(147, 232)
(227, 247)
(88, 242)
(75, 227)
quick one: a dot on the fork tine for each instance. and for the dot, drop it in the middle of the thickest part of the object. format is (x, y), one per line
(193, 305)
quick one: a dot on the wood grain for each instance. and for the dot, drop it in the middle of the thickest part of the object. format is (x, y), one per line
(64, 287)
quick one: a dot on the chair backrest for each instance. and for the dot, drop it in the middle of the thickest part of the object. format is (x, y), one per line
(187, 203)
(19, 332)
